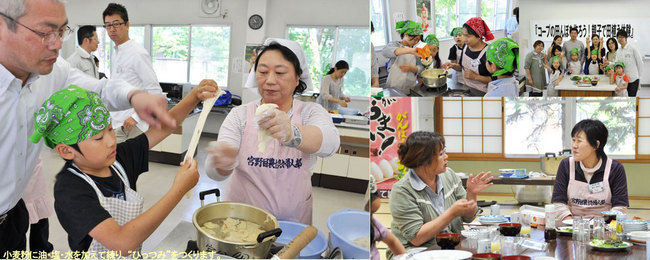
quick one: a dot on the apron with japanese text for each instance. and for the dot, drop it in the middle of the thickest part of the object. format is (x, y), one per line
(278, 180)
(588, 201)
(472, 65)
(121, 210)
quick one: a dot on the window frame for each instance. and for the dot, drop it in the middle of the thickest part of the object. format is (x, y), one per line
(438, 119)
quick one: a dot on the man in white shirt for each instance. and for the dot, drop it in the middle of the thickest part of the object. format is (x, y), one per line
(31, 35)
(631, 57)
(131, 63)
(512, 24)
(82, 58)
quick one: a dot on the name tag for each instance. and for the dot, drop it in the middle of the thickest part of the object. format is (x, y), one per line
(475, 62)
(596, 187)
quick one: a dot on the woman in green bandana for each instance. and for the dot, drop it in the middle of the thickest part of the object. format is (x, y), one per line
(434, 60)
(403, 61)
(502, 61)
(95, 198)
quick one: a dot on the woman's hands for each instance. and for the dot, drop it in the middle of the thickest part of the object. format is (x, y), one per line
(223, 154)
(278, 124)
(408, 68)
(463, 207)
(342, 103)
(479, 183)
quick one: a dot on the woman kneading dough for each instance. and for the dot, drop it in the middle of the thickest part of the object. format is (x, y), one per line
(268, 148)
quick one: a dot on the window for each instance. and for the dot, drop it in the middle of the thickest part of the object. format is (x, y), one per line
(494, 12)
(210, 47)
(106, 46)
(472, 126)
(446, 17)
(380, 36)
(324, 46)
(466, 10)
(533, 126)
(643, 135)
(170, 53)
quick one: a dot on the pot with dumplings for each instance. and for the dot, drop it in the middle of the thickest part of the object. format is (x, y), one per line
(234, 229)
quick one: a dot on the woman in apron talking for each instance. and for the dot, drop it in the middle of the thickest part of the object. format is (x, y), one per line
(589, 182)
(276, 177)
(403, 61)
(472, 60)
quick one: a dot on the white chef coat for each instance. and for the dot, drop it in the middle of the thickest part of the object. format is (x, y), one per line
(83, 61)
(18, 105)
(132, 64)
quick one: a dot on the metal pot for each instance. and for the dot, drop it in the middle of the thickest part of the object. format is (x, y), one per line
(434, 78)
(207, 242)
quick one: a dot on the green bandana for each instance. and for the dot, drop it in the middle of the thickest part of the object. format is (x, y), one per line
(594, 52)
(432, 40)
(620, 63)
(574, 50)
(409, 27)
(70, 116)
(606, 68)
(456, 31)
(554, 59)
(504, 53)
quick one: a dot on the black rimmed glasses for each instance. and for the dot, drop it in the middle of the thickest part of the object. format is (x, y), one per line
(47, 38)
(108, 26)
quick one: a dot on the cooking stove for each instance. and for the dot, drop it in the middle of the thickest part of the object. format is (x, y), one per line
(192, 249)
(443, 91)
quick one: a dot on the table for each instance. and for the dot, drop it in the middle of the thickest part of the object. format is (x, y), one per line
(567, 88)
(514, 181)
(562, 248)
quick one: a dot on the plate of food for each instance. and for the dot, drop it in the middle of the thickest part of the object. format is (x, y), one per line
(564, 231)
(609, 245)
(576, 78)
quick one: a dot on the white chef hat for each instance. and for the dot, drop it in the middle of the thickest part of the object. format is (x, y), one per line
(298, 51)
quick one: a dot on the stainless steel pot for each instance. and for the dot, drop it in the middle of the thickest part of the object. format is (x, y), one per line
(207, 242)
(434, 78)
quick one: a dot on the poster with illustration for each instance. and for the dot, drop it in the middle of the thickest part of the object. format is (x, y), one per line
(423, 10)
(390, 125)
(251, 55)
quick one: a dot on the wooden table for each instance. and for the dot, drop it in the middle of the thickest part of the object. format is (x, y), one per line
(562, 248)
(513, 181)
(567, 88)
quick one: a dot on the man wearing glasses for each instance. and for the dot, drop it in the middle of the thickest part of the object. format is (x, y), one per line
(31, 34)
(82, 58)
(131, 63)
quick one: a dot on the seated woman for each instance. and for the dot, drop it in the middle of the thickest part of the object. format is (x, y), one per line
(589, 182)
(430, 198)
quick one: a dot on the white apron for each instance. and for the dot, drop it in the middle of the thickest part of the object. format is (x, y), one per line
(620, 82)
(278, 180)
(582, 201)
(472, 64)
(593, 68)
(402, 81)
(122, 211)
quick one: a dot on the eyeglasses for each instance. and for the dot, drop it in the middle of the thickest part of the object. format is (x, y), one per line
(113, 25)
(443, 152)
(47, 38)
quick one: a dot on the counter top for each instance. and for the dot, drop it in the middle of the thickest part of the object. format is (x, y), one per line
(603, 84)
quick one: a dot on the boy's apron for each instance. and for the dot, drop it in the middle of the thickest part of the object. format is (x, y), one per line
(588, 200)
(399, 80)
(472, 65)
(122, 211)
(278, 180)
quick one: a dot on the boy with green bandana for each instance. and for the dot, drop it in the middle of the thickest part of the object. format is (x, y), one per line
(502, 61)
(95, 197)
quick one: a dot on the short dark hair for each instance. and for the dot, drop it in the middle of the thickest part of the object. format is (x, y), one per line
(621, 33)
(118, 9)
(96, 59)
(538, 42)
(556, 48)
(615, 44)
(470, 30)
(339, 66)
(595, 131)
(401, 35)
(573, 29)
(289, 56)
(420, 149)
(84, 32)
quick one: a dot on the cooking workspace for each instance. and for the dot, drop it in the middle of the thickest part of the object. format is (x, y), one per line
(221, 40)
(419, 49)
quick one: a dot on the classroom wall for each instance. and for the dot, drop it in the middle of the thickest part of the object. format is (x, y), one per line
(279, 14)
(550, 9)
